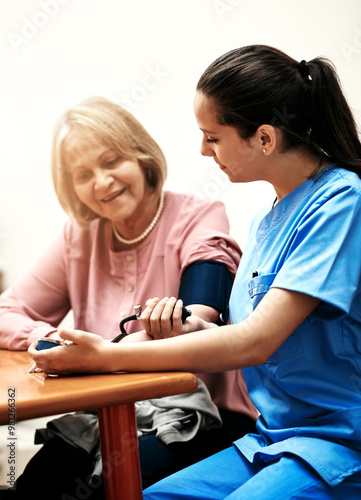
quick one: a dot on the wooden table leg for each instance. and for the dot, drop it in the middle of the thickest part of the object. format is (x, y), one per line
(120, 452)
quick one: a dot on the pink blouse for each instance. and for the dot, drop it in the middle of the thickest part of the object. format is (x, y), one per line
(81, 272)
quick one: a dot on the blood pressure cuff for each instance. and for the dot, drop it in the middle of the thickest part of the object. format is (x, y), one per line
(207, 282)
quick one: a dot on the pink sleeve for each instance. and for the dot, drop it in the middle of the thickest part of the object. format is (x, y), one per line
(205, 236)
(35, 305)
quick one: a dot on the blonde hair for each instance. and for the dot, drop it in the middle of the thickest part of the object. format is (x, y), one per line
(111, 124)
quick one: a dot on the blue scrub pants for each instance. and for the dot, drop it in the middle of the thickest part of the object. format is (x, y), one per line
(229, 476)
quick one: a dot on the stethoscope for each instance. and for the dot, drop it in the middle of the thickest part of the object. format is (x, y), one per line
(138, 311)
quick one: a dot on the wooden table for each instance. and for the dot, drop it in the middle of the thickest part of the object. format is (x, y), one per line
(38, 395)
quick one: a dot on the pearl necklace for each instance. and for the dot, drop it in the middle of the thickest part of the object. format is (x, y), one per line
(120, 238)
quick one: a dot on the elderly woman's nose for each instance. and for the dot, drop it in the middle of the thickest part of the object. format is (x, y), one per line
(103, 179)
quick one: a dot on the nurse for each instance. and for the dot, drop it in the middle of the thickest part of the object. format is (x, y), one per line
(296, 301)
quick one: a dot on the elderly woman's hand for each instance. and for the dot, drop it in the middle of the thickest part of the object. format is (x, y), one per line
(163, 319)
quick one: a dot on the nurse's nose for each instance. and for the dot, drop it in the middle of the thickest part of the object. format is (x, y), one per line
(206, 149)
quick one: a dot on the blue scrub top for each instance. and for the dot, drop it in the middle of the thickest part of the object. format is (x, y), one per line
(309, 391)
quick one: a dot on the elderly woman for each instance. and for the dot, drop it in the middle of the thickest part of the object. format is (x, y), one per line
(126, 240)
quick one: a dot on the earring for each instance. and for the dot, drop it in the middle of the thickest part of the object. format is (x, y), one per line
(264, 150)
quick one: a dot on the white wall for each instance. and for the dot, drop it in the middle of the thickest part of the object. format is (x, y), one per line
(148, 55)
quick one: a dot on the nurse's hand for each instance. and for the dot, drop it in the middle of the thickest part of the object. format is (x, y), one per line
(163, 319)
(86, 353)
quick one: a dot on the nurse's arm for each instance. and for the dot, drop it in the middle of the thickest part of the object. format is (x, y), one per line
(248, 343)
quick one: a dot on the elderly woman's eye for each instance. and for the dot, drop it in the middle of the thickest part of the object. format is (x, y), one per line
(112, 162)
(82, 176)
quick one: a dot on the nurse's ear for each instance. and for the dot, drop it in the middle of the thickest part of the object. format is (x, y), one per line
(267, 138)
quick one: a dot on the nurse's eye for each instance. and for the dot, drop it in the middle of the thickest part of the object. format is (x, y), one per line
(212, 141)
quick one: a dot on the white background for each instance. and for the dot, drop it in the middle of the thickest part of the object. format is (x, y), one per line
(147, 55)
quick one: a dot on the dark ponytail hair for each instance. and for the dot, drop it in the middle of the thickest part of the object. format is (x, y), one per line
(258, 84)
